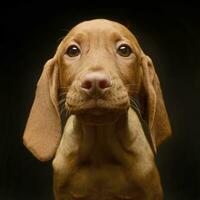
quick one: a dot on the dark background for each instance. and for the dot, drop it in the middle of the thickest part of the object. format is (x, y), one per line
(169, 33)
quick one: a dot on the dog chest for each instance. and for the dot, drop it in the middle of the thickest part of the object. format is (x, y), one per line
(108, 181)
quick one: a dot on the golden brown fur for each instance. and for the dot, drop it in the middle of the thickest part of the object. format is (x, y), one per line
(103, 153)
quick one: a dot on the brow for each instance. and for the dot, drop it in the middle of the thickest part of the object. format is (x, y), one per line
(77, 36)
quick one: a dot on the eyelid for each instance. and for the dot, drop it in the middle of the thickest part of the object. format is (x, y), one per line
(71, 44)
(119, 43)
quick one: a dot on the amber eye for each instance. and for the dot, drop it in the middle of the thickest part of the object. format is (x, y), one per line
(73, 51)
(124, 50)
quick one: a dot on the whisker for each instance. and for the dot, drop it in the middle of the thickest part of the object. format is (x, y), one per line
(62, 101)
(134, 101)
(131, 84)
(62, 104)
(63, 87)
(135, 104)
(62, 94)
(67, 113)
(62, 98)
(62, 110)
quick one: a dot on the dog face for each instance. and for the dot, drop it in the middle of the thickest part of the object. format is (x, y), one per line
(101, 70)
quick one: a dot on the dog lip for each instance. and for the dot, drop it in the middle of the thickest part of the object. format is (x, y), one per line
(94, 110)
(97, 110)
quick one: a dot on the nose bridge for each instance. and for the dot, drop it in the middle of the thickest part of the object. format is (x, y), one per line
(98, 59)
(99, 56)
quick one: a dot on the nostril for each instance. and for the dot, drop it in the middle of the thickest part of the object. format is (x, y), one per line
(87, 84)
(103, 84)
(95, 83)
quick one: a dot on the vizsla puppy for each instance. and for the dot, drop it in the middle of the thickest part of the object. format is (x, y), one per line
(117, 117)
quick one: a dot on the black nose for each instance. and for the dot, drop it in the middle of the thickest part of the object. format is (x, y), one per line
(95, 83)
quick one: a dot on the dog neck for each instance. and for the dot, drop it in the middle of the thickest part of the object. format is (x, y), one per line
(106, 143)
(104, 128)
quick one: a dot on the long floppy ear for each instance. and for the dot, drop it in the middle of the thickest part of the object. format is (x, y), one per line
(156, 113)
(43, 129)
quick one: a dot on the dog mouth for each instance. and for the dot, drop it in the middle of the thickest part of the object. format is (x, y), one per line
(98, 112)
(97, 106)
(94, 109)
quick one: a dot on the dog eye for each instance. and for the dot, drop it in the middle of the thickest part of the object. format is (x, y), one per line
(73, 51)
(124, 50)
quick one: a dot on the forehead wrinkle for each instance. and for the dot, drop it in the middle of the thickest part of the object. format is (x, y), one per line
(77, 37)
(95, 31)
(100, 27)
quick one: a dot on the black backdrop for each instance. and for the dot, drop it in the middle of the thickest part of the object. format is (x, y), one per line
(169, 33)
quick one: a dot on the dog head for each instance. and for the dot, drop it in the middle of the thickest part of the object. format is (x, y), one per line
(100, 70)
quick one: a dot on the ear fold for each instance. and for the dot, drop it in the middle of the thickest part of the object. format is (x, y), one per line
(156, 114)
(43, 129)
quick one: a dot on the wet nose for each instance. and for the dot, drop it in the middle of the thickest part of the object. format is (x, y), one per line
(95, 83)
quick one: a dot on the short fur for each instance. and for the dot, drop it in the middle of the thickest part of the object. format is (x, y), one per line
(107, 155)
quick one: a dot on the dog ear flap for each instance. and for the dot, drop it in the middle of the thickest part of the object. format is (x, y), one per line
(155, 111)
(43, 129)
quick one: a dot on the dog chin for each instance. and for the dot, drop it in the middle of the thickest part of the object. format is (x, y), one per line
(100, 116)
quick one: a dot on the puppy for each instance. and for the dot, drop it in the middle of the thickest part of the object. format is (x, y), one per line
(116, 116)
